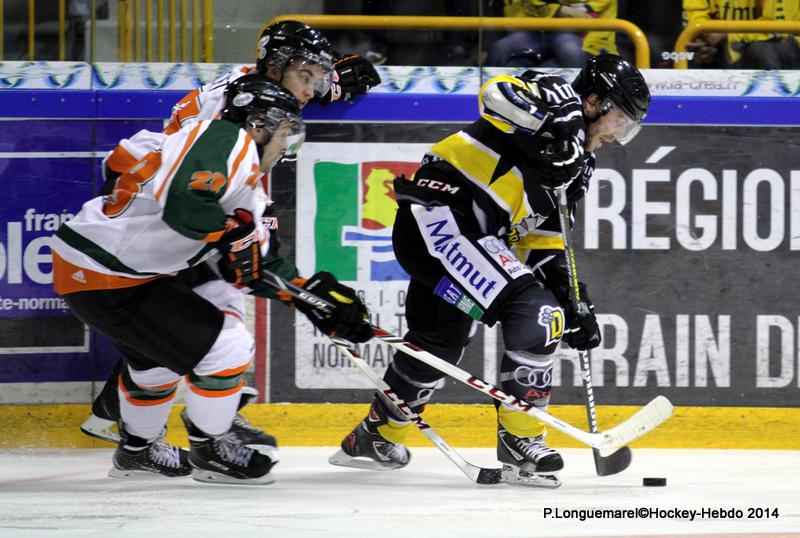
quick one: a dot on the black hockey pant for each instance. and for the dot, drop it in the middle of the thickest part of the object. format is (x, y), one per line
(532, 320)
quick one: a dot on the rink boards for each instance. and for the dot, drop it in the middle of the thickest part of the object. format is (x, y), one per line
(687, 239)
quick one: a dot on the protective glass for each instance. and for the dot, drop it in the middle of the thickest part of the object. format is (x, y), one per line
(620, 125)
(273, 120)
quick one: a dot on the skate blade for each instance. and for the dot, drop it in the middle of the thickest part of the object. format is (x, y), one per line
(210, 477)
(100, 428)
(518, 477)
(343, 459)
(136, 474)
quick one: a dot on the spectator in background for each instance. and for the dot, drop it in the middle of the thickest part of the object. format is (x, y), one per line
(78, 16)
(741, 50)
(422, 46)
(553, 49)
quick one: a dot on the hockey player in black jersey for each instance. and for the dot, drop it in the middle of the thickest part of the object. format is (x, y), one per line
(477, 230)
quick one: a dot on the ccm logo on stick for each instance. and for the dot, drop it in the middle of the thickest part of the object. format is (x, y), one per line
(438, 185)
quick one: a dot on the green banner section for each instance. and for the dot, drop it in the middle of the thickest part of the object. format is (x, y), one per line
(337, 206)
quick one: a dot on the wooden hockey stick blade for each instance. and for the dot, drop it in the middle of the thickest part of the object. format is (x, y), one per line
(647, 418)
(613, 463)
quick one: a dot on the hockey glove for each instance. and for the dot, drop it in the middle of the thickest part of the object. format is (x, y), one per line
(353, 75)
(349, 318)
(561, 163)
(582, 332)
(240, 263)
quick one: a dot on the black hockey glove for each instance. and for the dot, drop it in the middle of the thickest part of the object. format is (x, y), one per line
(561, 163)
(582, 332)
(354, 75)
(240, 263)
(349, 319)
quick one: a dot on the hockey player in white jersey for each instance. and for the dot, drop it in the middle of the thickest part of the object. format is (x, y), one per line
(302, 59)
(478, 232)
(115, 264)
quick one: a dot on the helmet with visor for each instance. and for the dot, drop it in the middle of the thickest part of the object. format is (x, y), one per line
(258, 102)
(623, 93)
(294, 44)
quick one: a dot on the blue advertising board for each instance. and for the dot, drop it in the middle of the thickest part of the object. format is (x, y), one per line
(55, 134)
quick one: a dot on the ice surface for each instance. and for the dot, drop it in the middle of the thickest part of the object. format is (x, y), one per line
(67, 493)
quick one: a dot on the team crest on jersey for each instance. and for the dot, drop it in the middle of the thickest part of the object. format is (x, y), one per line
(552, 319)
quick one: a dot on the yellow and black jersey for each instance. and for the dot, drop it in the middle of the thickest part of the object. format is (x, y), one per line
(741, 10)
(497, 159)
(594, 43)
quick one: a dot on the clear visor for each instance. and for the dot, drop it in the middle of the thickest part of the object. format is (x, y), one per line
(315, 70)
(620, 125)
(293, 143)
(277, 118)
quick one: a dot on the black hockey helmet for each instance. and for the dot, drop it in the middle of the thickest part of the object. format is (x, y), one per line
(281, 43)
(613, 77)
(256, 101)
(617, 82)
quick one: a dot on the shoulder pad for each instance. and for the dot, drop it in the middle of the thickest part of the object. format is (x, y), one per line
(511, 104)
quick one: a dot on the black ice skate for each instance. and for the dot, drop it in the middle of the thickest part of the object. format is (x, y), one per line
(137, 458)
(101, 428)
(365, 448)
(527, 461)
(102, 423)
(225, 459)
(251, 436)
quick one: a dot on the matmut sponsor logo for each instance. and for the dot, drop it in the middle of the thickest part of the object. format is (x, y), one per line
(458, 257)
(438, 234)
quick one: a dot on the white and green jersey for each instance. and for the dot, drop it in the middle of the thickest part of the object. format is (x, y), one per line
(167, 211)
(203, 103)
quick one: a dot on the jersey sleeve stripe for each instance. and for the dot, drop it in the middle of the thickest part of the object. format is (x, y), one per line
(187, 108)
(179, 160)
(240, 157)
(569, 117)
(213, 237)
(120, 159)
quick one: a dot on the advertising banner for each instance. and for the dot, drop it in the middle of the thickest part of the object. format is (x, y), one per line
(687, 240)
(49, 169)
(348, 196)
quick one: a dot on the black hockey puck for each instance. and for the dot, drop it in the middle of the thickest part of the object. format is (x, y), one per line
(654, 481)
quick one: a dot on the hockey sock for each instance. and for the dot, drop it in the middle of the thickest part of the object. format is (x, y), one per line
(386, 425)
(518, 423)
(526, 375)
(394, 431)
(212, 400)
(145, 400)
